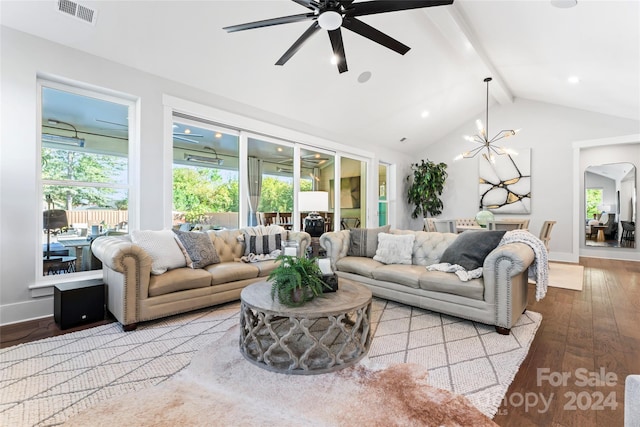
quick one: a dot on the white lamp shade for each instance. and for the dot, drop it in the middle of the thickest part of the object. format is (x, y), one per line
(313, 201)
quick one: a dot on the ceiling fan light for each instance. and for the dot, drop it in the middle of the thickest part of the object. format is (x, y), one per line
(330, 20)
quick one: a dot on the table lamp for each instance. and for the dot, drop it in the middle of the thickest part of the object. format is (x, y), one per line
(53, 219)
(313, 202)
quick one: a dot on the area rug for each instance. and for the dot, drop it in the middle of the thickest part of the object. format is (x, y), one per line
(566, 276)
(48, 381)
(220, 387)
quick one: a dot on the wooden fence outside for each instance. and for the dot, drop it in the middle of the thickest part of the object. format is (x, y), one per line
(110, 218)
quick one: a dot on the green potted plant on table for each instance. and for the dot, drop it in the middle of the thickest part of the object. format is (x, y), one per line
(296, 280)
(426, 188)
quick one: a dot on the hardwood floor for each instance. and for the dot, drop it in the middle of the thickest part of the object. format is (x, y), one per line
(583, 334)
(593, 332)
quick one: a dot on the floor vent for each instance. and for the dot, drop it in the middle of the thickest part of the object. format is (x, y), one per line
(78, 11)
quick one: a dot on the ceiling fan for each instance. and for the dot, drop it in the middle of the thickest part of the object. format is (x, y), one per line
(331, 15)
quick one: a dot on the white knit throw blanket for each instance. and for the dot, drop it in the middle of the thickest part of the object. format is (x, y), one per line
(539, 269)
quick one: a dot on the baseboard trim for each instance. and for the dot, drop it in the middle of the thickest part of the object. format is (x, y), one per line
(26, 310)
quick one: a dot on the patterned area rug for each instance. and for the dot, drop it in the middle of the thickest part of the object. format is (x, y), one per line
(48, 381)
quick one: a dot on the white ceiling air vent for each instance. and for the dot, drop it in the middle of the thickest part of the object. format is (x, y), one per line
(78, 11)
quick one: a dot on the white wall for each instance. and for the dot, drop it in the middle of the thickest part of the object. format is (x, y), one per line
(549, 130)
(23, 57)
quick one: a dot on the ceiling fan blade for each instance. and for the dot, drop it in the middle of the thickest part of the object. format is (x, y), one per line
(313, 5)
(338, 49)
(298, 43)
(194, 135)
(181, 138)
(112, 123)
(373, 7)
(377, 36)
(270, 22)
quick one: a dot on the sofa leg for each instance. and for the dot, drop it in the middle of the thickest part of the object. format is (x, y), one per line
(130, 327)
(503, 331)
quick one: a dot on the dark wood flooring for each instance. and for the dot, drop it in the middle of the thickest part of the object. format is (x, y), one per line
(583, 334)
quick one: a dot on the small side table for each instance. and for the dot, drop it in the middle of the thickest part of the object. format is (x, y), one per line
(77, 303)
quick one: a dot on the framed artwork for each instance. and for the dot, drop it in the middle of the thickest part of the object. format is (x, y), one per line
(349, 193)
(505, 183)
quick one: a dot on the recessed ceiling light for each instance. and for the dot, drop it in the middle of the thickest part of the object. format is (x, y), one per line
(573, 80)
(364, 76)
(425, 114)
(564, 4)
(218, 135)
(279, 149)
(187, 131)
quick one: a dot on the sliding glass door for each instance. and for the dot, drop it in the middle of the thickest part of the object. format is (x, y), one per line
(205, 175)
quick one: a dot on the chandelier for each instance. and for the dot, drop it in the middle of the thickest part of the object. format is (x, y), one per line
(482, 137)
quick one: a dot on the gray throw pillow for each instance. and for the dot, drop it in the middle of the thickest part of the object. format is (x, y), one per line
(470, 248)
(197, 248)
(262, 245)
(364, 241)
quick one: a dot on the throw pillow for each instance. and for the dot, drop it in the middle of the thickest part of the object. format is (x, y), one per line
(161, 247)
(364, 241)
(262, 244)
(197, 248)
(470, 248)
(394, 248)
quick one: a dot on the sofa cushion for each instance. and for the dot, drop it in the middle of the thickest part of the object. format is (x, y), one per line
(471, 248)
(408, 275)
(364, 241)
(179, 279)
(439, 281)
(358, 265)
(231, 271)
(197, 248)
(265, 267)
(394, 248)
(161, 247)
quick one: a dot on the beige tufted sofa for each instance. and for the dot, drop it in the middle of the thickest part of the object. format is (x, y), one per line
(135, 295)
(498, 298)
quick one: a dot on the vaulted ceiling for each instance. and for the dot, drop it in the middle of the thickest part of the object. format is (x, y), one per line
(530, 48)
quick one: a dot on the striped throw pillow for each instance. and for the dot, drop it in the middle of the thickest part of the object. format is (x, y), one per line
(259, 245)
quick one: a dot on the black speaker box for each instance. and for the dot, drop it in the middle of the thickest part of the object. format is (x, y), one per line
(77, 303)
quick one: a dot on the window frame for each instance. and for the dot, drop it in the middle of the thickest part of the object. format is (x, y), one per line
(131, 186)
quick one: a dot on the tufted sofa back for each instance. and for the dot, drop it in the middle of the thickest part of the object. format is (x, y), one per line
(428, 247)
(229, 244)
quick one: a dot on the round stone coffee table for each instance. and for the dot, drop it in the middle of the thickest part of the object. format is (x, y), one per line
(324, 335)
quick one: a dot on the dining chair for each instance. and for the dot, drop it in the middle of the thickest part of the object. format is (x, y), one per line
(505, 225)
(260, 218)
(428, 225)
(545, 233)
(445, 225)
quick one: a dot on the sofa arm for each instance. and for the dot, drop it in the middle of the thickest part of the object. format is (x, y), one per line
(505, 281)
(336, 243)
(126, 270)
(303, 238)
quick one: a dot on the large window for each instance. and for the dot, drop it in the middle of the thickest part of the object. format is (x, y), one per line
(205, 175)
(85, 174)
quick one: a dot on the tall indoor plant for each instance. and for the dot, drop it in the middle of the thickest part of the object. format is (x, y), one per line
(426, 188)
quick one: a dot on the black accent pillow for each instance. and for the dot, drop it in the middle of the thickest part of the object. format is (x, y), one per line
(471, 248)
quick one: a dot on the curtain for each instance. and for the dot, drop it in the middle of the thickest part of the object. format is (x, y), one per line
(255, 186)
